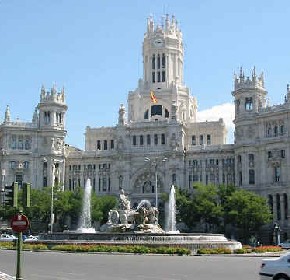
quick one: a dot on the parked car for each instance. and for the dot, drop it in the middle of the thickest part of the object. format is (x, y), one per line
(276, 268)
(7, 237)
(285, 245)
(31, 238)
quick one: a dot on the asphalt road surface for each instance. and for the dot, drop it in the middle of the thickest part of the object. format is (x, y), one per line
(64, 266)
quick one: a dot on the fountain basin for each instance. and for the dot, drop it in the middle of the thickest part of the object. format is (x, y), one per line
(192, 241)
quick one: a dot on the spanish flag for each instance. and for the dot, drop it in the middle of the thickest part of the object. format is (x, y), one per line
(153, 97)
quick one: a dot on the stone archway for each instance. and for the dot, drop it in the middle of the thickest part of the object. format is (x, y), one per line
(144, 185)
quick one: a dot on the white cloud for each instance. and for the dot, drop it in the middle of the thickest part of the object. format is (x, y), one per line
(225, 111)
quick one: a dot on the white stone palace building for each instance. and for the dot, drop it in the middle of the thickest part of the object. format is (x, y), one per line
(158, 139)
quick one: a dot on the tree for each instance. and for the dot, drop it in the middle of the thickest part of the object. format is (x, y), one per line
(185, 208)
(248, 211)
(206, 205)
(101, 205)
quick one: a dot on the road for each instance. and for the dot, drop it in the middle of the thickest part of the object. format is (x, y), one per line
(64, 266)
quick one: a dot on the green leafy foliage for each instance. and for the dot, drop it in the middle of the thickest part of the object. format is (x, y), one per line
(215, 207)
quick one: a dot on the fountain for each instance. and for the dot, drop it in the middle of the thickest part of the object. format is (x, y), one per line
(171, 220)
(85, 224)
(137, 226)
(143, 219)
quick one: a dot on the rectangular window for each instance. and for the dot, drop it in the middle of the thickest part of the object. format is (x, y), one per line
(134, 140)
(105, 145)
(275, 130)
(195, 178)
(251, 176)
(159, 76)
(163, 60)
(20, 142)
(141, 140)
(104, 184)
(58, 118)
(47, 117)
(163, 138)
(156, 139)
(285, 206)
(45, 181)
(277, 173)
(13, 142)
(173, 179)
(278, 207)
(27, 145)
(282, 153)
(193, 140)
(208, 140)
(98, 145)
(163, 76)
(112, 144)
(270, 154)
(281, 129)
(200, 139)
(153, 77)
(248, 104)
(240, 179)
(148, 139)
(251, 160)
(158, 61)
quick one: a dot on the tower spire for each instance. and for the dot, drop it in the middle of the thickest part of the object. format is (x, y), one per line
(7, 114)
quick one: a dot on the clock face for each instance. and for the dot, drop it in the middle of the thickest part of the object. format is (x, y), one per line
(158, 42)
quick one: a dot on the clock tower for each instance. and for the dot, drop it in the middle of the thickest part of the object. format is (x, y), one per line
(162, 82)
(163, 53)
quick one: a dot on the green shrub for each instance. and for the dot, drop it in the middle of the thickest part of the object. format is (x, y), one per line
(136, 249)
(7, 245)
(212, 251)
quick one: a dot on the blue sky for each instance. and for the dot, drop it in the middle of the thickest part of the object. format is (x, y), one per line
(93, 49)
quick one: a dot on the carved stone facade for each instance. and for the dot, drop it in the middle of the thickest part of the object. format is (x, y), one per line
(34, 151)
(158, 140)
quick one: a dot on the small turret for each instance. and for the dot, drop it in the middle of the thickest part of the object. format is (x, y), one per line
(52, 95)
(249, 83)
(249, 93)
(51, 109)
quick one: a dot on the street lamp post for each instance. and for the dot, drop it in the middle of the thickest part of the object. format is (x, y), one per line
(3, 185)
(155, 164)
(52, 199)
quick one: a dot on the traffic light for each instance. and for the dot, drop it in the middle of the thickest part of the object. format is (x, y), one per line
(11, 195)
(26, 194)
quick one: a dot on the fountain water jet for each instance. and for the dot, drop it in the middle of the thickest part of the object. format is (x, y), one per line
(137, 226)
(85, 224)
(171, 220)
